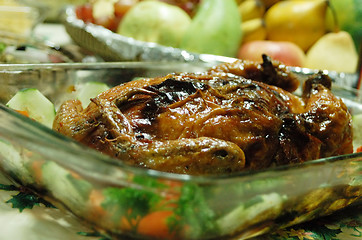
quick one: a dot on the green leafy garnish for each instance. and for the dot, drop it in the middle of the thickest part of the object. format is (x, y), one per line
(131, 204)
(24, 199)
(2, 47)
(193, 211)
(192, 216)
(8, 187)
(94, 234)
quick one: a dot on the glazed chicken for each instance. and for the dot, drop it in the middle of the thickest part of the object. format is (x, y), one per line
(235, 117)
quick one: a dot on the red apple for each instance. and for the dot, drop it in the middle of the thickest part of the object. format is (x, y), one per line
(286, 52)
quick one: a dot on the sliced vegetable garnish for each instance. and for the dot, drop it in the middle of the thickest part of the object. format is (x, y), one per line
(357, 133)
(90, 90)
(32, 103)
(64, 185)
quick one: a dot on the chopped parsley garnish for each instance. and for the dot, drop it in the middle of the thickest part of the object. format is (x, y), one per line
(24, 199)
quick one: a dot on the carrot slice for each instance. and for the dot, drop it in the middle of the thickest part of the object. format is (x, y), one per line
(155, 225)
(25, 113)
(359, 149)
(96, 198)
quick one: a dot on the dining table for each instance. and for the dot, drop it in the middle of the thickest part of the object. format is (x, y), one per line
(26, 216)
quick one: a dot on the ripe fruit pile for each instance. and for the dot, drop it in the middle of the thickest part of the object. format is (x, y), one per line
(307, 33)
(108, 13)
(317, 34)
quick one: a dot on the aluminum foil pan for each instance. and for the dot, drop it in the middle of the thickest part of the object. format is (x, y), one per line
(115, 47)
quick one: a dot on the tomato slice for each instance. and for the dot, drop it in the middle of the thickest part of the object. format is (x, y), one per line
(85, 13)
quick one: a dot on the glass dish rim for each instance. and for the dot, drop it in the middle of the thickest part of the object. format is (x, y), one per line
(206, 61)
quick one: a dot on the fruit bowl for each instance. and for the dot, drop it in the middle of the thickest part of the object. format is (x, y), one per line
(146, 204)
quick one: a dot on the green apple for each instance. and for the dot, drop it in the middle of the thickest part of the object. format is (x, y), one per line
(155, 21)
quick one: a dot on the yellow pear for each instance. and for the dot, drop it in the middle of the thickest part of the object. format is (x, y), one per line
(251, 9)
(269, 3)
(334, 51)
(300, 22)
(253, 29)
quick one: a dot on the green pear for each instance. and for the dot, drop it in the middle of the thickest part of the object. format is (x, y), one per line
(215, 29)
(334, 51)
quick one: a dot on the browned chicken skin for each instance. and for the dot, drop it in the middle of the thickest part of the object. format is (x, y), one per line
(221, 121)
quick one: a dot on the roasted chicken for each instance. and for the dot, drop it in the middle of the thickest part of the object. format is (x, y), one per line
(235, 117)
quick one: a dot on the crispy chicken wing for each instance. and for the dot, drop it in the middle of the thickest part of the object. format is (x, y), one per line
(231, 118)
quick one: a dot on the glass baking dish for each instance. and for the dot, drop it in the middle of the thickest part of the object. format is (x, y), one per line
(121, 200)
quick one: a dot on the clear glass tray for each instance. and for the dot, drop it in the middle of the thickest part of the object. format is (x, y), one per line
(147, 204)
